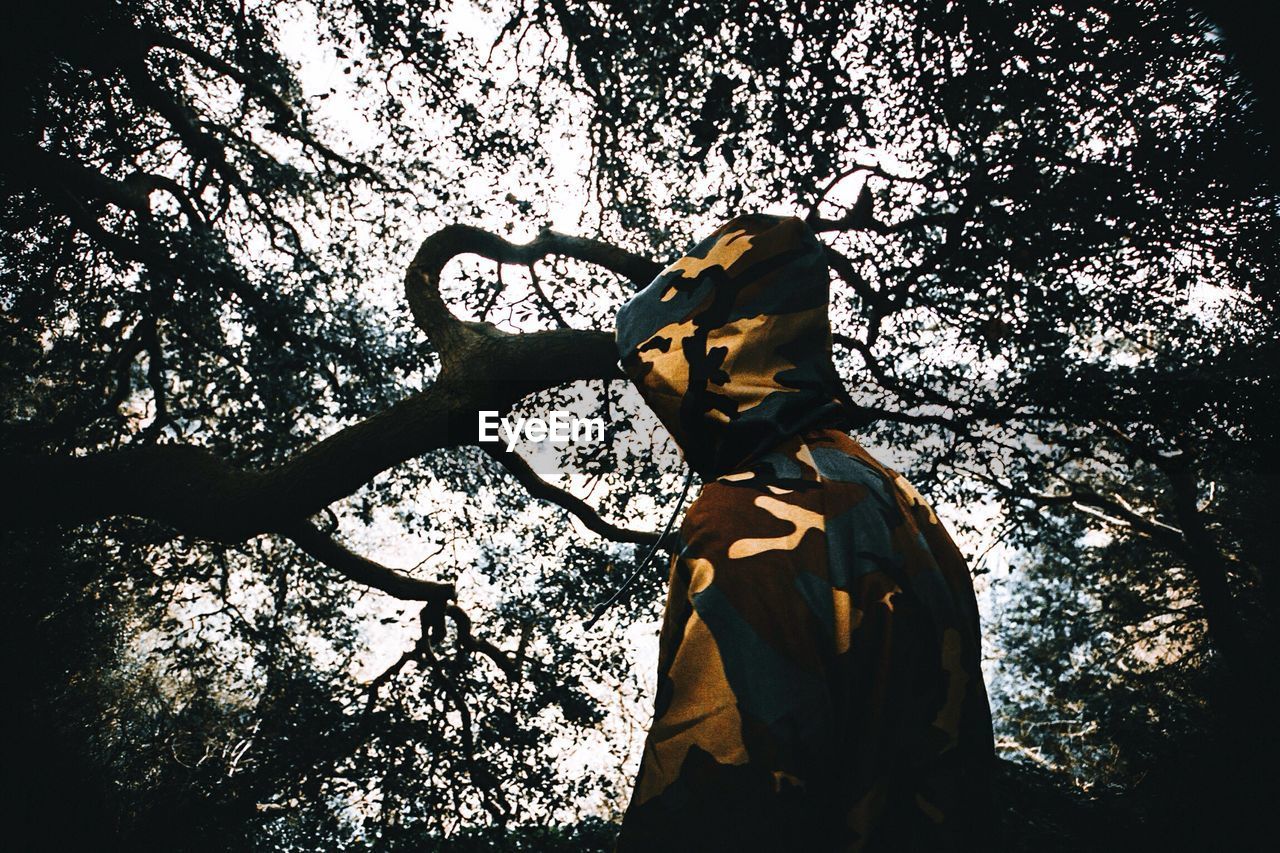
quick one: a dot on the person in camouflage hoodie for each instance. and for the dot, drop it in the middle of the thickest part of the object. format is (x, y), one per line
(819, 686)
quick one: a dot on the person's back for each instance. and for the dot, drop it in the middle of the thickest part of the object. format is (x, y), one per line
(819, 683)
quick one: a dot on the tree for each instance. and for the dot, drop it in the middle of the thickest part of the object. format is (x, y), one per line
(1054, 292)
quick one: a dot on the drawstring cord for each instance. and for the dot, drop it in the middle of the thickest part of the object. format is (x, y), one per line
(666, 528)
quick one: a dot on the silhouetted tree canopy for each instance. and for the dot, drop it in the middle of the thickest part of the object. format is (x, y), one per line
(262, 263)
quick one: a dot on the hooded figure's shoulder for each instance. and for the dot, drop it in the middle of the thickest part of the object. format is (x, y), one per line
(774, 502)
(820, 480)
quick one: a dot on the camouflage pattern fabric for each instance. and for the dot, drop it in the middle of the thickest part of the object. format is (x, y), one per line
(819, 684)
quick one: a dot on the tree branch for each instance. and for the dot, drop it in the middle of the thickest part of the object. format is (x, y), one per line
(330, 552)
(541, 489)
(1088, 499)
(203, 495)
(288, 123)
(133, 193)
(422, 279)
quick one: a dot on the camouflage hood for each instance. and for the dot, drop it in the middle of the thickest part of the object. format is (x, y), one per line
(731, 344)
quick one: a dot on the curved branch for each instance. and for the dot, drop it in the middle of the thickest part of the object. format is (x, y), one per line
(422, 279)
(201, 494)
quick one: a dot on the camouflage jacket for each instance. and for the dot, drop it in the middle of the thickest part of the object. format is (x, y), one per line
(819, 684)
